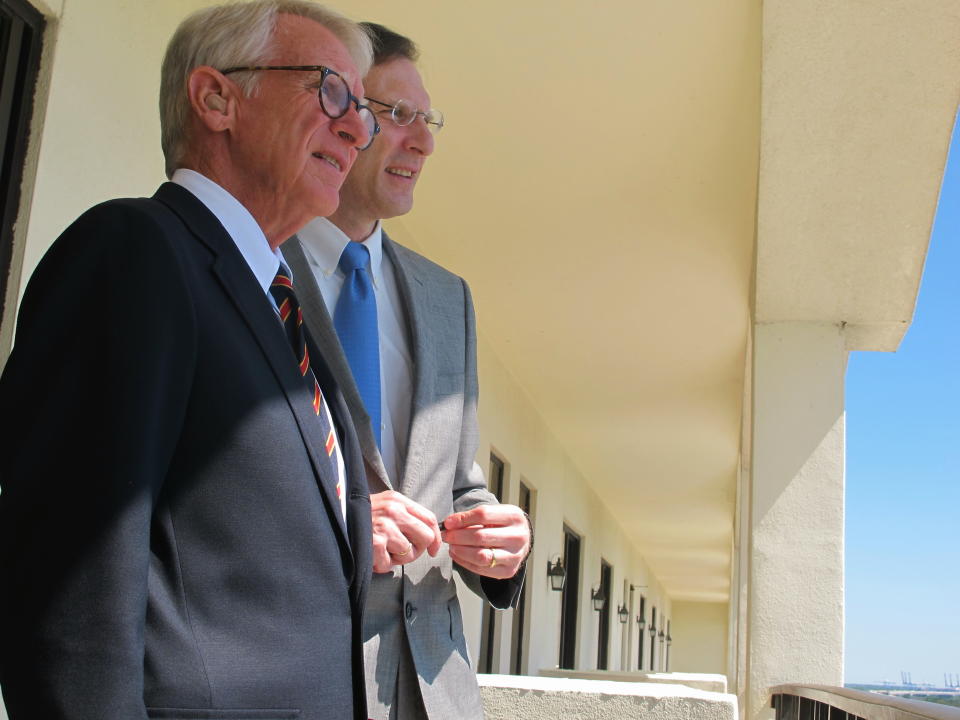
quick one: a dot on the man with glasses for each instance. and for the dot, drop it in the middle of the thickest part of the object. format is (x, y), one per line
(403, 346)
(184, 517)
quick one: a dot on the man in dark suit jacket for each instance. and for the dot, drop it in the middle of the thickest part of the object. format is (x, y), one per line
(423, 469)
(181, 534)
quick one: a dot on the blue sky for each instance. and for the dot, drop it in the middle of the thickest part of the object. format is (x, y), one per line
(903, 480)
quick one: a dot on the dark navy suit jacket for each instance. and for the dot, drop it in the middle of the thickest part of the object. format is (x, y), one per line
(169, 545)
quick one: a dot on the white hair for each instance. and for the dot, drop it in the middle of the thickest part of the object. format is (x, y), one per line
(230, 35)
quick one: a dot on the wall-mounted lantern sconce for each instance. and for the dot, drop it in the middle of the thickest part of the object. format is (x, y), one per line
(669, 640)
(623, 613)
(557, 574)
(641, 622)
(661, 635)
(599, 599)
(653, 630)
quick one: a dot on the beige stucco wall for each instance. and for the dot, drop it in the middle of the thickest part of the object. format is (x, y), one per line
(858, 103)
(794, 626)
(512, 428)
(528, 698)
(98, 132)
(101, 138)
(711, 682)
(699, 638)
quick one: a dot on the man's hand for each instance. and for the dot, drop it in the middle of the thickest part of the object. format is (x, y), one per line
(490, 540)
(402, 530)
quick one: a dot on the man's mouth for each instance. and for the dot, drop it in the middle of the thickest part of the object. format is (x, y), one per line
(401, 172)
(332, 160)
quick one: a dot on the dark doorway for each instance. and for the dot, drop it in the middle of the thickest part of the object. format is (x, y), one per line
(21, 33)
(603, 639)
(568, 607)
(666, 666)
(520, 613)
(488, 632)
(643, 628)
(653, 639)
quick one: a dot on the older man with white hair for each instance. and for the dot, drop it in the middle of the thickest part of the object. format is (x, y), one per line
(184, 519)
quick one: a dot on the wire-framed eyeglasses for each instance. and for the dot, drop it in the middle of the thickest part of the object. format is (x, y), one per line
(404, 112)
(333, 92)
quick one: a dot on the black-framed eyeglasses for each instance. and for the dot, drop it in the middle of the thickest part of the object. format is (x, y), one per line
(333, 91)
(404, 112)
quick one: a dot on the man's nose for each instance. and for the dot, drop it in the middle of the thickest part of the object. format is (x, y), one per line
(351, 129)
(419, 137)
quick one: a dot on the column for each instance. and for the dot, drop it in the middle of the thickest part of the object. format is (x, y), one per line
(795, 586)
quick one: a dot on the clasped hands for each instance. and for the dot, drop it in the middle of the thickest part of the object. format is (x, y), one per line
(489, 540)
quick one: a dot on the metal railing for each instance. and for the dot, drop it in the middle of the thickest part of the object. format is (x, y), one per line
(822, 702)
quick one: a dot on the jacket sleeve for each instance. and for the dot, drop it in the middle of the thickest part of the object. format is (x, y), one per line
(469, 485)
(91, 401)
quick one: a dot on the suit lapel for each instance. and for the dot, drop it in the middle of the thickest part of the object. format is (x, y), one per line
(238, 282)
(320, 325)
(416, 299)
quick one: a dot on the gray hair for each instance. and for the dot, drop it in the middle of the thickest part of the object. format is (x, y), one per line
(234, 34)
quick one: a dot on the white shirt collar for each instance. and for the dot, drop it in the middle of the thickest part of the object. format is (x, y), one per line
(324, 243)
(237, 221)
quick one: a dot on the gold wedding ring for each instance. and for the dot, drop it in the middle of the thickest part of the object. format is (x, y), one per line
(493, 557)
(404, 552)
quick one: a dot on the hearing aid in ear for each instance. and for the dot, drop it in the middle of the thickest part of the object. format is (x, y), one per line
(215, 102)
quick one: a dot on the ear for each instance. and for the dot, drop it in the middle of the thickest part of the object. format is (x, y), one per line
(213, 98)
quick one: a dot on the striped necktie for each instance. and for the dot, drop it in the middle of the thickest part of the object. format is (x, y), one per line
(291, 316)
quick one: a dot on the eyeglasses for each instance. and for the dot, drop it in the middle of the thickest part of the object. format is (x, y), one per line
(404, 112)
(333, 91)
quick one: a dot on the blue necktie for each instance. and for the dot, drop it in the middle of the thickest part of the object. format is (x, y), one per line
(355, 319)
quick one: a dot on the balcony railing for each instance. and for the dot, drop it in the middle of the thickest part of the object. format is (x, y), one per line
(700, 681)
(524, 697)
(822, 702)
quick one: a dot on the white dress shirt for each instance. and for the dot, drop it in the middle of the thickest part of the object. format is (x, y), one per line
(263, 260)
(323, 244)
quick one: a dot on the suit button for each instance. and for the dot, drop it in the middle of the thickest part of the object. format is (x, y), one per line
(409, 611)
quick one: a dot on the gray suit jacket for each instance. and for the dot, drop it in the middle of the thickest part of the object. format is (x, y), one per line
(417, 603)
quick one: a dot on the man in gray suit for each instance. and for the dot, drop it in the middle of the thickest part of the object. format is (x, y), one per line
(422, 385)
